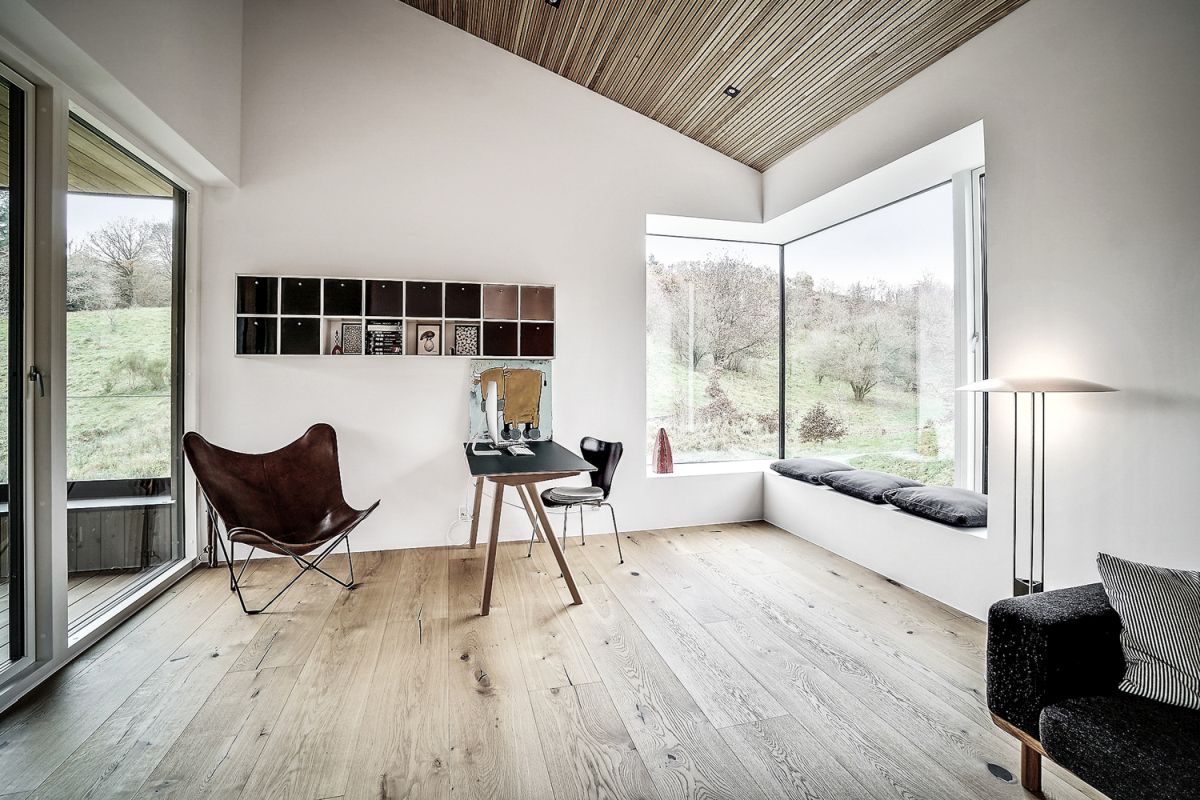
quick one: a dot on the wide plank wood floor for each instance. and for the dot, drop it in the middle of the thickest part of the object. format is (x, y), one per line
(726, 661)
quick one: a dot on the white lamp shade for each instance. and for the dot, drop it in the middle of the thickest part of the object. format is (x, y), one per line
(1049, 383)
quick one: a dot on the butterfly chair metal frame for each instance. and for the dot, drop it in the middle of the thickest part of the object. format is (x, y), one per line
(235, 581)
(288, 502)
(604, 456)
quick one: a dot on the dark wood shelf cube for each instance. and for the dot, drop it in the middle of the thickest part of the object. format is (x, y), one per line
(300, 336)
(500, 339)
(463, 300)
(301, 296)
(343, 297)
(257, 294)
(537, 339)
(422, 298)
(257, 336)
(385, 298)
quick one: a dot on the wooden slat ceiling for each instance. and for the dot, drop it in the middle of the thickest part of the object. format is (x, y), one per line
(801, 66)
(94, 165)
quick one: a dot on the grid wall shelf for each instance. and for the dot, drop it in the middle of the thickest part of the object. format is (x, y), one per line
(304, 315)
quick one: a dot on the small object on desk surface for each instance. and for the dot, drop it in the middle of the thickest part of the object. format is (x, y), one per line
(519, 450)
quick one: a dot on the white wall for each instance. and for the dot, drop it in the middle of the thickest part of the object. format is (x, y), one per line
(1090, 112)
(170, 70)
(378, 141)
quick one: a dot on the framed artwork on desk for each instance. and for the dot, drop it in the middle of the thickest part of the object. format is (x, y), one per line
(524, 390)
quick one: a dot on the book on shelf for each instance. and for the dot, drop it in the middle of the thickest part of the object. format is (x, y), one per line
(384, 338)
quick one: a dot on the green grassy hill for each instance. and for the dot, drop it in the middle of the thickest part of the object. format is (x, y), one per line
(118, 394)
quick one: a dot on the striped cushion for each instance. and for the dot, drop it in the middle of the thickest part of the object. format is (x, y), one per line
(1160, 618)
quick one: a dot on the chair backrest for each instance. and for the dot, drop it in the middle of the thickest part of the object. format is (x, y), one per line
(282, 493)
(604, 456)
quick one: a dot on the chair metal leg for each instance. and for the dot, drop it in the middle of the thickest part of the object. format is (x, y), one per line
(305, 566)
(581, 541)
(616, 531)
(566, 515)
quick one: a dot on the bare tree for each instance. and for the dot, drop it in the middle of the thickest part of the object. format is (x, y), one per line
(89, 283)
(123, 246)
(734, 305)
(870, 338)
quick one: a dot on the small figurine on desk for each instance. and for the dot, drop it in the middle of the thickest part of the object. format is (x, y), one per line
(337, 343)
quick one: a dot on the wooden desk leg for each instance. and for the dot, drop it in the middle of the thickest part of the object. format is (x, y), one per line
(475, 512)
(531, 489)
(537, 528)
(486, 607)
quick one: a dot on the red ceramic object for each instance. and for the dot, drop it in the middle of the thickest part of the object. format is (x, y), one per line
(664, 462)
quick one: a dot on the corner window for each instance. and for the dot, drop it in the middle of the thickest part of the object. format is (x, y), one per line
(872, 323)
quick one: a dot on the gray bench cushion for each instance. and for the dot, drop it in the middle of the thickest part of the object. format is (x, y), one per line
(808, 470)
(946, 504)
(865, 484)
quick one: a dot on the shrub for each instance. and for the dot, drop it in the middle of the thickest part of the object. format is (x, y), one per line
(135, 371)
(927, 441)
(820, 425)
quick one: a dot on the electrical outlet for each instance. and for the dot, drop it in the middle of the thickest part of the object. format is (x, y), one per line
(462, 512)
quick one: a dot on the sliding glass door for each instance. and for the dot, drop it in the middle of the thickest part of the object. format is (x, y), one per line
(12, 257)
(124, 226)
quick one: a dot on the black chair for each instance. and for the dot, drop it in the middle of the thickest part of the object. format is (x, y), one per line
(288, 502)
(604, 456)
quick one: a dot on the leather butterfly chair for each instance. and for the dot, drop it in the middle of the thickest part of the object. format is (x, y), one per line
(288, 502)
(604, 456)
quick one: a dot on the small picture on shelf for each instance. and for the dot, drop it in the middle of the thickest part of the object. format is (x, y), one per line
(352, 338)
(384, 338)
(429, 340)
(466, 340)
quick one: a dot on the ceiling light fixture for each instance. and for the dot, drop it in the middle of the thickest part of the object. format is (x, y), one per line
(731, 91)
(553, 3)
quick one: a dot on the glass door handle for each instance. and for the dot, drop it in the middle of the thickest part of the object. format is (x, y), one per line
(35, 376)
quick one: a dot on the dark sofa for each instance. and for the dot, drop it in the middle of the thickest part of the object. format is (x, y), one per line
(1054, 662)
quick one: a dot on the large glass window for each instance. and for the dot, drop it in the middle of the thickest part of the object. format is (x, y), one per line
(712, 347)
(123, 280)
(870, 340)
(881, 320)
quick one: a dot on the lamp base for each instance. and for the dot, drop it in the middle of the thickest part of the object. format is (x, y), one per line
(1022, 586)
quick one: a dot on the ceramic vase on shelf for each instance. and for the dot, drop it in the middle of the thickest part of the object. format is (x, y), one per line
(664, 462)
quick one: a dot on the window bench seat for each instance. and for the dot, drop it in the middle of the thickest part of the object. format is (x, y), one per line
(916, 552)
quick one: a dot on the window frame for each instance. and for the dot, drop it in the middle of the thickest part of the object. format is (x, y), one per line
(970, 320)
(135, 492)
(20, 412)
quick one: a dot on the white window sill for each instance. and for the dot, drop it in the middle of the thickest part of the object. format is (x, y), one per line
(713, 468)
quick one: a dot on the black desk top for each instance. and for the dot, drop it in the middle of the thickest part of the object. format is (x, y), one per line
(547, 457)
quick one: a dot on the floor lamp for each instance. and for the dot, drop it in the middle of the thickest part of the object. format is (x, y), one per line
(1037, 389)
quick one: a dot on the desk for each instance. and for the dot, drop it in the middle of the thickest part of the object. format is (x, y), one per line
(548, 462)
